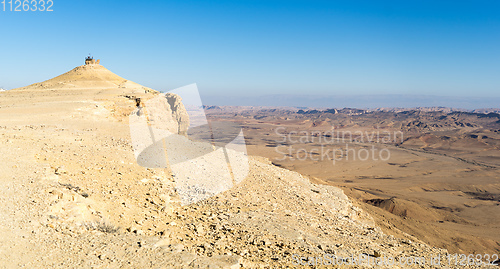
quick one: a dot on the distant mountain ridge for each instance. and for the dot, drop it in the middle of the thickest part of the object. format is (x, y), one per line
(357, 101)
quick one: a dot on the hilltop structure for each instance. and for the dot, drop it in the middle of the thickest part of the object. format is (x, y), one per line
(90, 60)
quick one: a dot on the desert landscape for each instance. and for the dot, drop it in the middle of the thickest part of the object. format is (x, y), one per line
(434, 173)
(73, 194)
(249, 134)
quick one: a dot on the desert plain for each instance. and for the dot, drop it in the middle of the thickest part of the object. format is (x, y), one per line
(430, 172)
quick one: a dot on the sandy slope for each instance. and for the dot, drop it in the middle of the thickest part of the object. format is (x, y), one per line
(86, 77)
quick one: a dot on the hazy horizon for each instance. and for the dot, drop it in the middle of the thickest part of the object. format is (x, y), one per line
(355, 101)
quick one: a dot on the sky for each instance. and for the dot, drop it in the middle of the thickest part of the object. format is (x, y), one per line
(261, 47)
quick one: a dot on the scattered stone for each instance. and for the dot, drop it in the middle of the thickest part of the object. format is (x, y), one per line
(60, 170)
(176, 247)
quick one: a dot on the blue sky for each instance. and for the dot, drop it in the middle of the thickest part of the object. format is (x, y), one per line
(250, 48)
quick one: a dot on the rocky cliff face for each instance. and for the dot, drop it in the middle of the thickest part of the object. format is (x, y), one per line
(165, 112)
(179, 112)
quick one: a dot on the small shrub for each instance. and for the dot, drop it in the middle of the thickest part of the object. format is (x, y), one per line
(101, 226)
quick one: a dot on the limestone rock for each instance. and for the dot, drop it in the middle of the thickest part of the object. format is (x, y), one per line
(179, 112)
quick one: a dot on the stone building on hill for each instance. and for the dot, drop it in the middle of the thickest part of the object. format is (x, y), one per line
(90, 60)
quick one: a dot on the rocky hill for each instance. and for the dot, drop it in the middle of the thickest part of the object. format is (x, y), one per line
(91, 76)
